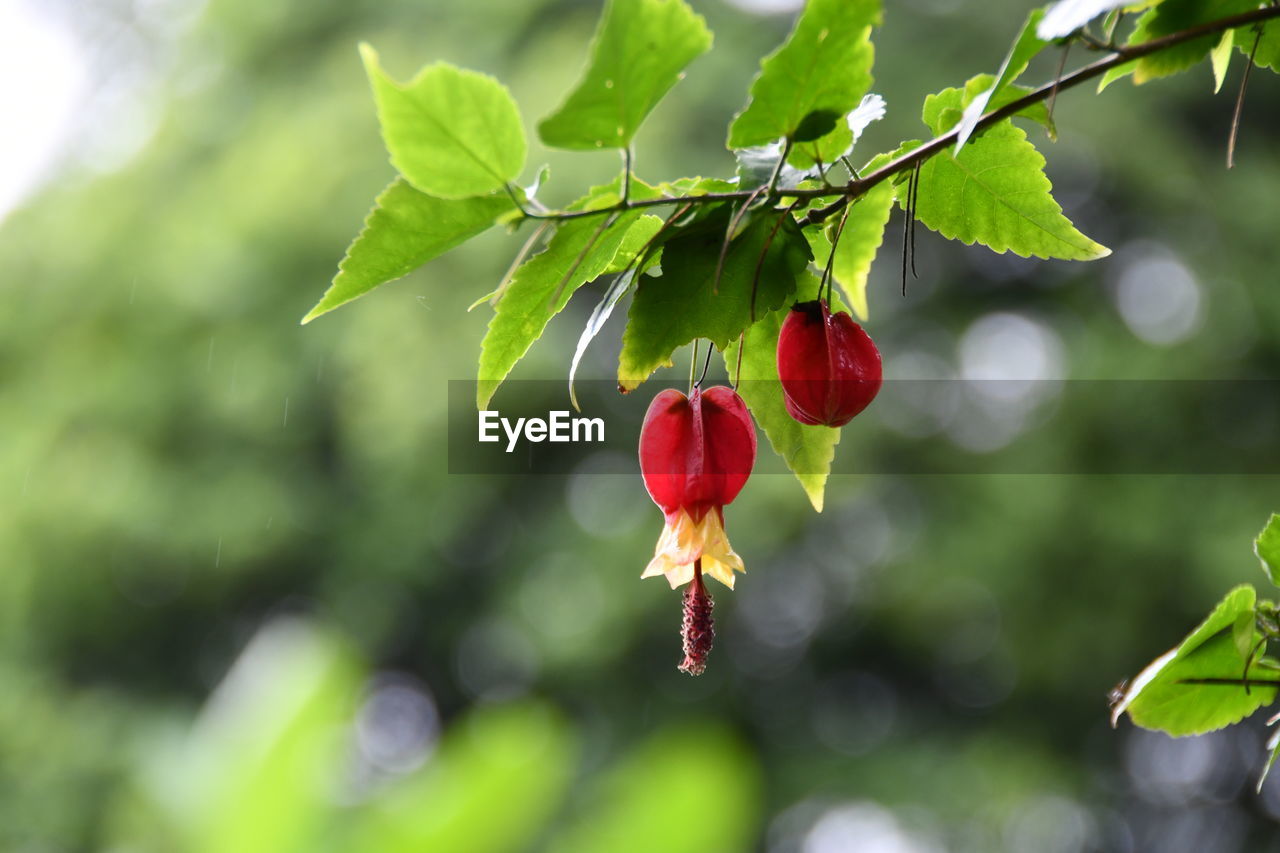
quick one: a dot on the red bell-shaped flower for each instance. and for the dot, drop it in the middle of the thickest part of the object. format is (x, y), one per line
(696, 453)
(829, 367)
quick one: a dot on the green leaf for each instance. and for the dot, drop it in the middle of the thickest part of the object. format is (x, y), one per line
(1169, 17)
(807, 450)
(636, 239)
(1173, 16)
(633, 244)
(819, 245)
(1268, 52)
(824, 67)
(816, 125)
(599, 316)
(1273, 748)
(1115, 74)
(1170, 695)
(405, 229)
(251, 762)
(697, 186)
(756, 167)
(1037, 112)
(1066, 16)
(581, 250)
(839, 142)
(681, 305)
(638, 54)
(451, 133)
(825, 149)
(995, 193)
(1243, 633)
(497, 779)
(1027, 45)
(1220, 59)
(656, 798)
(860, 240)
(863, 234)
(1267, 547)
(943, 111)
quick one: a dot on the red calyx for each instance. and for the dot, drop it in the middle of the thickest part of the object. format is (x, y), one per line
(829, 367)
(696, 452)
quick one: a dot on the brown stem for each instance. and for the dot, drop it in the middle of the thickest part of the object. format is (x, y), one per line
(706, 363)
(764, 252)
(1075, 78)
(742, 345)
(1057, 79)
(728, 238)
(577, 262)
(827, 274)
(859, 186)
(1235, 116)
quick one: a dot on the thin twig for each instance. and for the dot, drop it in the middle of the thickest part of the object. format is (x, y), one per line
(1075, 78)
(777, 170)
(704, 198)
(643, 255)
(505, 281)
(693, 364)
(822, 172)
(1057, 79)
(705, 364)
(577, 262)
(915, 214)
(742, 344)
(1232, 682)
(906, 227)
(1235, 117)
(524, 211)
(827, 276)
(1091, 42)
(1115, 25)
(728, 238)
(859, 186)
(626, 174)
(1249, 662)
(637, 263)
(764, 252)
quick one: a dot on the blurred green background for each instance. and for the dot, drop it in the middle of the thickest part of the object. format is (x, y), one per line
(244, 607)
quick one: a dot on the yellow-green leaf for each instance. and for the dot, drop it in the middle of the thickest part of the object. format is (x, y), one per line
(451, 133)
(405, 229)
(807, 450)
(823, 69)
(639, 52)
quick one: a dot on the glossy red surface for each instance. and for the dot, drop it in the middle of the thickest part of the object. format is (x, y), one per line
(829, 367)
(696, 452)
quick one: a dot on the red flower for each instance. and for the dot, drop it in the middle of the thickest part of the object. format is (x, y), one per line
(829, 367)
(696, 453)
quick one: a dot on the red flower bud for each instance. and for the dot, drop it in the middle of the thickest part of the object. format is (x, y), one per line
(696, 453)
(829, 367)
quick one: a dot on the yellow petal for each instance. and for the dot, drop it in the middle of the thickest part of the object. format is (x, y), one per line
(722, 572)
(719, 560)
(684, 541)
